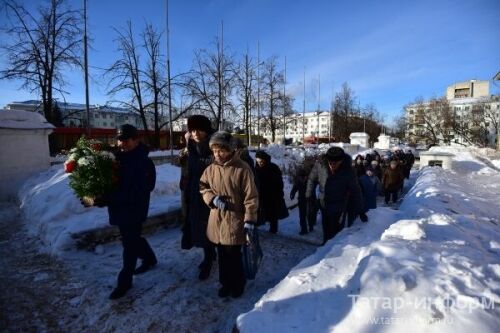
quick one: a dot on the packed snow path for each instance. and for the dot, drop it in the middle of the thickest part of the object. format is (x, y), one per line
(42, 293)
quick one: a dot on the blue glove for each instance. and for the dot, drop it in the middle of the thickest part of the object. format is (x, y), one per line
(249, 225)
(219, 203)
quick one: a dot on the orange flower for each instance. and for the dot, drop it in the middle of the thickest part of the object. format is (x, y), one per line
(69, 166)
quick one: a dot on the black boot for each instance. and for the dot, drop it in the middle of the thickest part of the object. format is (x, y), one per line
(205, 269)
(145, 266)
(119, 292)
(224, 292)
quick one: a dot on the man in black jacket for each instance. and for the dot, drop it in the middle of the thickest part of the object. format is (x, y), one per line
(128, 206)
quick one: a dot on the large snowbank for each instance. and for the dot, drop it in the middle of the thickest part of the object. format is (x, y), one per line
(431, 266)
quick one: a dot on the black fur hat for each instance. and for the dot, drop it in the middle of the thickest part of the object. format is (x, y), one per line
(335, 154)
(199, 122)
(126, 131)
(263, 155)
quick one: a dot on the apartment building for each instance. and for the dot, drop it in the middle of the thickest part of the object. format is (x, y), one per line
(101, 116)
(299, 126)
(470, 106)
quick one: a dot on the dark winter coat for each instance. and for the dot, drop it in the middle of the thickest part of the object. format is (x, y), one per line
(129, 203)
(393, 179)
(300, 186)
(370, 187)
(359, 169)
(270, 186)
(199, 157)
(342, 190)
(337, 192)
(377, 171)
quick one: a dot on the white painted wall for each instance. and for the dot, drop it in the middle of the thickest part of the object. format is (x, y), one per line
(24, 149)
(360, 138)
(384, 142)
(446, 158)
(23, 153)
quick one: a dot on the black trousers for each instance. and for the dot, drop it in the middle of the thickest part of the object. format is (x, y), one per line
(134, 246)
(389, 194)
(331, 223)
(312, 211)
(303, 214)
(273, 225)
(209, 253)
(231, 273)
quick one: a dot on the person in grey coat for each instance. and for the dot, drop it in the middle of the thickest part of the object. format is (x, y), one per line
(339, 190)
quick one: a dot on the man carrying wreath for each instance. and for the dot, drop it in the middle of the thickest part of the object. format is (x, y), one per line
(128, 205)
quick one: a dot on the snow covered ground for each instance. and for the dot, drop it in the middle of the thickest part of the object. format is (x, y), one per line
(431, 266)
(54, 212)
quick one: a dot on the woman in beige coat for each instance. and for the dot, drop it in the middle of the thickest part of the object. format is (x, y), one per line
(228, 188)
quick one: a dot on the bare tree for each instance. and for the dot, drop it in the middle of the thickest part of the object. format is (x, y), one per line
(272, 83)
(154, 77)
(400, 127)
(210, 83)
(245, 79)
(41, 46)
(473, 124)
(492, 117)
(433, 121)
(126, 75)
(343, 111)
(371, 121)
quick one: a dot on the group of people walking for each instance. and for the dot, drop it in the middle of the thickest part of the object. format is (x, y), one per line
(343, 189)
(225, 195)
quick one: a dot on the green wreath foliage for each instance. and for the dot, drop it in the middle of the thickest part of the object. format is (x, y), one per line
(92, 167)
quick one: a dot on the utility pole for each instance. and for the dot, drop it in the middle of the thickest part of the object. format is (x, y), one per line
(250, 105)
(86, 66)
(284, 106)
(319, 102)
(221, 78)
(304, 109)
(331, 115)
(171, 126)
(258, 95)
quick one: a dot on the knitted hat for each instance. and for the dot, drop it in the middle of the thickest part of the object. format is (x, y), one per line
(263, 155)
(334, 154)
(199, 122)
(222, 139)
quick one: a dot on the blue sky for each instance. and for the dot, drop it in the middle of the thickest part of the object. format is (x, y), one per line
(389, 52)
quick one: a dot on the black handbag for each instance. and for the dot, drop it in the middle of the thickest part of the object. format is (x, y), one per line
(252, 253)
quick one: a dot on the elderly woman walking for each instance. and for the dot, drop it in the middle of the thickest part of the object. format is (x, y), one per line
(228, 188)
